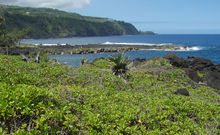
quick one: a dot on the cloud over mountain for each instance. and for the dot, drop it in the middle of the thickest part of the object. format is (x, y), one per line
(59, 4)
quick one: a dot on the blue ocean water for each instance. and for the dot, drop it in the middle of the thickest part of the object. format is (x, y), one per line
(206, 46)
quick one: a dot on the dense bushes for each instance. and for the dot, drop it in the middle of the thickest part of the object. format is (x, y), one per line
(43, 98)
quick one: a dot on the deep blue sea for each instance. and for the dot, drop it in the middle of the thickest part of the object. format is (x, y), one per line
(206, 46)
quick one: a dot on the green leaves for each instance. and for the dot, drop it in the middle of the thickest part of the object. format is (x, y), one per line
(47, 23)
(43, 98)
(8, 39)
(121, 63)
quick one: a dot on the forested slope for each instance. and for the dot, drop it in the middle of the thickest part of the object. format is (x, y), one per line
(46, 23)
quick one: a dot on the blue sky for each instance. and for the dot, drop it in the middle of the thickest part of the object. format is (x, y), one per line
(161, 16)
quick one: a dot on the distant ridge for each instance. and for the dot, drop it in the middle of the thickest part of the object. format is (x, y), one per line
(53, 23)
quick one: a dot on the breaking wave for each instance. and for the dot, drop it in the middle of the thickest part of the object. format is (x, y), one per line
(181, 48)
(149, 44)
(49, 44)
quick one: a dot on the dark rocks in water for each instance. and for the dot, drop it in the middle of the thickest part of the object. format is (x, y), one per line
(195, 63)
(213, 79)
(193, 75)
(175, 60)
(183, 92)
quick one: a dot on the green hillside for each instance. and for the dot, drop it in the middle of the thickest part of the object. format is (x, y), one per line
(46, 23)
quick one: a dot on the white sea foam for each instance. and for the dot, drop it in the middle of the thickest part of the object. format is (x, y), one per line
(49, 44)
(188, 48)
(181, 48)
(115, 43)
(148, 44)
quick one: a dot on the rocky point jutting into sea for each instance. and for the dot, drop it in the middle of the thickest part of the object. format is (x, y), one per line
(94, 48)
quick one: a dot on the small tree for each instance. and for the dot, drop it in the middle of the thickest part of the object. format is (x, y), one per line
(2, 31)
(8, 39)
(120, 67)
(1, 25)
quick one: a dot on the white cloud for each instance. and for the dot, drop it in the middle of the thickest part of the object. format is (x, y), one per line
(58, 4)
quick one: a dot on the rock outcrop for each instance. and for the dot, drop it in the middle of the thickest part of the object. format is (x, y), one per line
(175, 60)
(183, 92)
(213, 79)
(193, 64)
(193, 75)
(199, 64)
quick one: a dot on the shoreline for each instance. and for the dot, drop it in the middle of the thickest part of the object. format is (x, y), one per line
(92, 48)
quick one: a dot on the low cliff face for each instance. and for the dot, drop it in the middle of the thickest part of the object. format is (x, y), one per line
(47, 23)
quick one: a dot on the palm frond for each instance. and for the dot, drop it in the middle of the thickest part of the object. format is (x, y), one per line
(120, 65)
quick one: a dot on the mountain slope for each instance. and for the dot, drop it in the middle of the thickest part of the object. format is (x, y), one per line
(46, 23)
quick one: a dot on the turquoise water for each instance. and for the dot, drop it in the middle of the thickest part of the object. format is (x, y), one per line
(206, 46)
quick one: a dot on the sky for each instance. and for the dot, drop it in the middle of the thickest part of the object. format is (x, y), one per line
(160, 16)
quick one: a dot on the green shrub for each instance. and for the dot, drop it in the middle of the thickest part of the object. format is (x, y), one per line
(43, 98)
(120, 64)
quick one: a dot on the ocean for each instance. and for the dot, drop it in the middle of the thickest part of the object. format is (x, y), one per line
(205, 46)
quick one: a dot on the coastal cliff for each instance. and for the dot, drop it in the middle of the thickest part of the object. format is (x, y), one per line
(53, 23)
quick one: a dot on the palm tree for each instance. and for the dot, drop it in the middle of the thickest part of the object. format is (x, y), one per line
(120, 67)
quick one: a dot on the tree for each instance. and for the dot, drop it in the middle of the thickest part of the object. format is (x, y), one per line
(1, 26)
(120, 67)
(2, 31)
(8, 39)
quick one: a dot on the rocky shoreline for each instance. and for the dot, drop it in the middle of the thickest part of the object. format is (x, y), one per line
(91, 48)
(201, 71)
(193, 65)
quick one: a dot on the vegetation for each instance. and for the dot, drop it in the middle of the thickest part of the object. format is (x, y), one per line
(46, 23)
(84, 61)
(147, 33)
(45, 98)
(120, 67)
(1, 25)
(8, 39)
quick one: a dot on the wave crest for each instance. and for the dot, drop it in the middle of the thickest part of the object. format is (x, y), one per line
(180, 48)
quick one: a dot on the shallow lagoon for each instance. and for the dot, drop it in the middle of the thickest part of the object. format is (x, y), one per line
(207, 46)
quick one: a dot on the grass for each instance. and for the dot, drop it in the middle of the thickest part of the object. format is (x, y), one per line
(45, 98)
(25, 45)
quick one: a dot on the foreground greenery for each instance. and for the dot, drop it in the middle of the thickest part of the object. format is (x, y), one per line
(51, 98)
(47, 23)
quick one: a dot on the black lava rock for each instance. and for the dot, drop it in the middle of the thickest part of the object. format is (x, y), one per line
(183, 92)
(213, 79)
(193, 75)
(175, 60)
